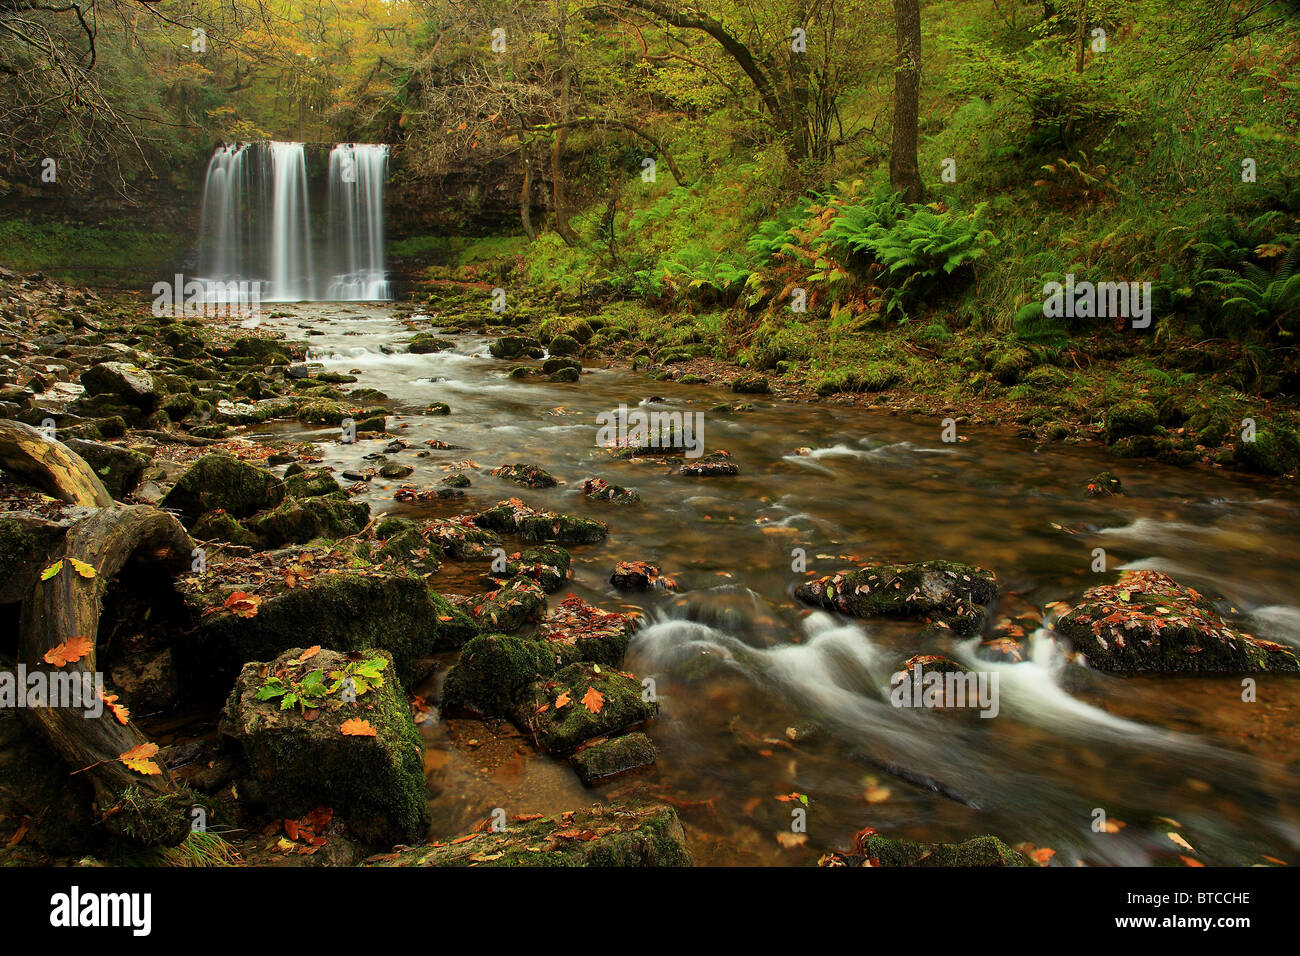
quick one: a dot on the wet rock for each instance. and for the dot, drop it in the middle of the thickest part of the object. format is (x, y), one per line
(1275, 451)
(530, 476)
(950, 593)
(299, 521)
(516, 346)
(602, 836)
(518, 602)
(569, 375)
(580, 702)
(556, 364)
(875, 850)
(493, 670)
(1146, 621)
(374, 781)
(610, 758)
(717, 464)
(461, 539)
(219, 526)
(423, 343)
(598, 489)
(221, 481)
(553, 526)
(1104, 483)
(124, 381)
(564, 345)
(1126, 419)
(456, 481)
(392, 469)
(118, 468)
(751, 385)
(309, 482)
(640, 576)
(546, 564)
(588, 632)
(438, 408)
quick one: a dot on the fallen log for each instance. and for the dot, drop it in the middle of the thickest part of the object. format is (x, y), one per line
(50, 465)
(66, 603)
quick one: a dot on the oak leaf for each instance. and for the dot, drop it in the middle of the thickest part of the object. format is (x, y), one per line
(356, 727)
(137, 759)
(73, 649)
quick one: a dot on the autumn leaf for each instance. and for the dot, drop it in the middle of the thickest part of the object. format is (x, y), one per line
(137, 759)
(119, 711)
(1178, 838)
(245, 605)
(82, 568)
(309, 653)
(562, 701)
(73, 649)
(355, 727)
(593, 700)
(52, 570)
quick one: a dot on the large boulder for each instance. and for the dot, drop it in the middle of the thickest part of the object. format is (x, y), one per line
(323, 729)
(224, 482)
(124, 381)
(612, 835)
(949, 593)
(297, 521)
(118, 468)
(1146, 621)
(518, 602)
(581, 702)
(494, 670)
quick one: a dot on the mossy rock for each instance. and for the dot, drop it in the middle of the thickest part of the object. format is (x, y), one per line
(583, 632)
(516, 346)
(565, 375)
(1126, 419)
(409, 549)
(310, 483)
(546, 564)
(564, 345)
(518, 602)
(529, 476)
(456, 481)
(1008, 367)
(437, 408)
(350, 611)
(598, 489)
(751, 385)
(614, 703)
(424, 343)
(1135, 446)
(611, 758)
(375, 783)
(556, 364)
(1148, 622)
(954, 594)
(720, 464)
(118, 468)
(219, 526)
(647, 835)
(455, 628)
(977, 851)
(299, 521)
(494, 670)
(559, 528)
(221, 481)
(1275, 451)
(1104, 483)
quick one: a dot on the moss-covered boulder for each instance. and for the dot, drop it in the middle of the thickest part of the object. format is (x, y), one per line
(461, 539)
(518, 602)
(601, 836)
(494, 670)
(952, 594)
(529, 476)
(118, 468)
(716, 465)
(224, 482)
(424, 343)
(588, 633)
(553, 526)
(875, 850)
(353, 610)
(1104, 484)
(581, 702)
(299, 521)
(219, 526)
(409, 549)
(310, 483)
(1274, 451)
(609, 758)
(516, 346)
(546, 564)
(455, 628)
(320, 729)
(124, 381)
(437, 408)
(1125, 419)
(564, 345)
(565, 375)
(1146, 621)
(751, 385)
(598, 489)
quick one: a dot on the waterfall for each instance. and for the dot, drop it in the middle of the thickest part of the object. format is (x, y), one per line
(257, 223)
(356, 226)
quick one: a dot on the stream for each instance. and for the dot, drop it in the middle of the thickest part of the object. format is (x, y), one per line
(762, 697)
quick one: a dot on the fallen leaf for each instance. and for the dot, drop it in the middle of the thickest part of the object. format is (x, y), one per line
(137, 759)
(52, 570)
(82, 568)
(73, 649)
(355, 727)
(593, 700)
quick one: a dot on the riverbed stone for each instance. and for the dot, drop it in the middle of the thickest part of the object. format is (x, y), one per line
(297, 521)
(592, 633)
(950, 593)
(518, 602)
(610, 758)
(222, 481)
(529, 476)
(374, 781)
(581, 702)
(1146, 621)
(125, 381)
(118, 468)
(981, 851)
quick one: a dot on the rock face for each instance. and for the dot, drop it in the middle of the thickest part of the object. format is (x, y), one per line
(372, 775)
(1148, 622)
(952, 594)
(649, 835)
(221, 481)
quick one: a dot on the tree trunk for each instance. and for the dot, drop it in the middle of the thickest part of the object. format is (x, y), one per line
(904, 173)
(50, 465)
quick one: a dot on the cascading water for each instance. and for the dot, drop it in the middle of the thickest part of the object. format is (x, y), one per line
(356, 225)
(257, 224)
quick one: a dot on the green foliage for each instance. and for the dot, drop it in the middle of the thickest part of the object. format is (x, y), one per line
(1254, 298)
(310, 690)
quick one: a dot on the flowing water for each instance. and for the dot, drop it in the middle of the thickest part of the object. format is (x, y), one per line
(763, 698)
(258, 226)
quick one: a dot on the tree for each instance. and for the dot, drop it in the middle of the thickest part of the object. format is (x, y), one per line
(904, 173)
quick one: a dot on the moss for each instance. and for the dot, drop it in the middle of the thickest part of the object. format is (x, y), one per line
(1130, 418)
(1275, 451)
(548, 565)
(219, 526)
(560, 729)
(409, 549)
(297, 522)
(518, 602)
(556, 364)
(550, 526)
(515, 346)
(568, 375)
(564, 345)
(310, 483)
(493, 670)
(425, 342)
(751, 385)
(437, 408)
(612, 757)
(530, 476)
(152, 819)
(955, 594)
(455, 628)
(1104, 483)
(977, 851)
(219, 481)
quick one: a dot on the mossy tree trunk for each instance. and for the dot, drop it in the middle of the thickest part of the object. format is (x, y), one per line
(904, 173)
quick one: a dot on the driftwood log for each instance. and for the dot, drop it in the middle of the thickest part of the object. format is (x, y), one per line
(67, 604)
(50, 465)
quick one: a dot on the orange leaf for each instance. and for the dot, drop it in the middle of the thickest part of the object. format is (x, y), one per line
(73, 649)
(245, 605)
(137, 759)
(593, 700)
(119, 711)
(309, 653)
(355, 727)
(562, 700)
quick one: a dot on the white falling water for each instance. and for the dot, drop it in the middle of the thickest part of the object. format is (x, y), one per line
(356, 226)
(257, 221)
